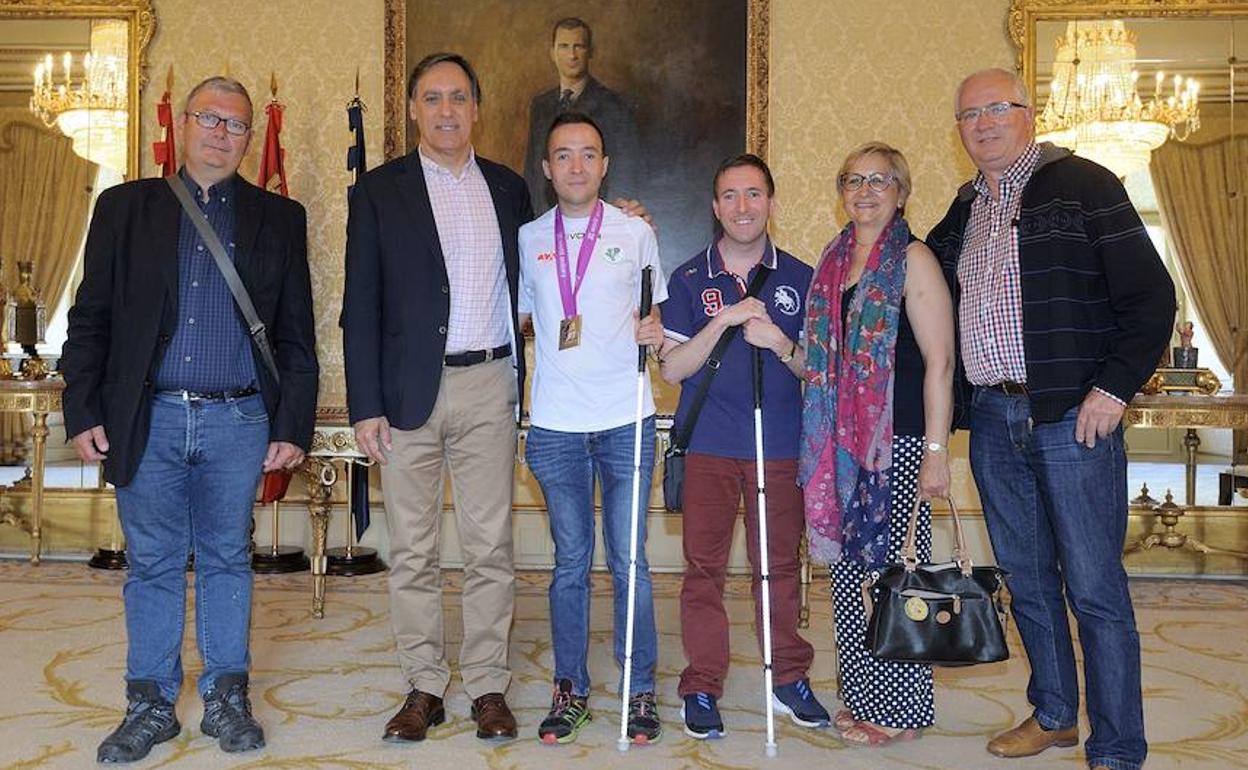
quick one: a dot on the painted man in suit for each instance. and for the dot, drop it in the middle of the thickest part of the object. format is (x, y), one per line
(164, 385)
(571, 48)
(433, 367)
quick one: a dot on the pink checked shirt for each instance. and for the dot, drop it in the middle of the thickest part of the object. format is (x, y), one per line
(473, 250)
(991, 308)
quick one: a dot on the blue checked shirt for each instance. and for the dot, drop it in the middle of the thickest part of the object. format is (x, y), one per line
(210, 350)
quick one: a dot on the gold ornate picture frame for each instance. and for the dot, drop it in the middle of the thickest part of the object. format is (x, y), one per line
(139, 16)
(1024, 15)
(696, 73)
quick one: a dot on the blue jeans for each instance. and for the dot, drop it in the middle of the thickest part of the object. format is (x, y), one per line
(565, 465)
(194, 489)
(1057, 515)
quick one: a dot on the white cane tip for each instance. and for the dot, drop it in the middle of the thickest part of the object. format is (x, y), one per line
(771, 751)
(622, 744)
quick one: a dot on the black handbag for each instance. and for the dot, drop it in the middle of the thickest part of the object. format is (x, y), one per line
(947, 614)
(674, 455)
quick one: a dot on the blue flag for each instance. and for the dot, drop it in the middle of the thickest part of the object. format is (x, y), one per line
(355, 153)
(359, 498)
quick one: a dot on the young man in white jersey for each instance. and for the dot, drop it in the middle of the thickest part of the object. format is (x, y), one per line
(580, 282)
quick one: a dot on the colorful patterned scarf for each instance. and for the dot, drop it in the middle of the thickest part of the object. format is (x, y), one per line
(847, 414)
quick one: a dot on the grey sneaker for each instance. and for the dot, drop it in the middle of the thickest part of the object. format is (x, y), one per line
(149, 720)
(227, 715)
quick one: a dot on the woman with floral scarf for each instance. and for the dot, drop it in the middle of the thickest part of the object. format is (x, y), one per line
(877, 409)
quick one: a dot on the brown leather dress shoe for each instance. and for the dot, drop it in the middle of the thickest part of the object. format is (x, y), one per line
(420, 711)
(1030, 738)
(494, 720)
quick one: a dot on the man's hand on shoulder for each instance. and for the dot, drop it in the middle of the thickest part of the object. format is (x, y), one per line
(634, 208)
(282, 456)
(91, 445)
(372, 436)
(1099, 415)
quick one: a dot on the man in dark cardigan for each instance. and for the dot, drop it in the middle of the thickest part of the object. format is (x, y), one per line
(1064, 308)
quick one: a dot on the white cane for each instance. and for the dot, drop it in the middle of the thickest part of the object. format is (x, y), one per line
(636, 514)
(763, 568)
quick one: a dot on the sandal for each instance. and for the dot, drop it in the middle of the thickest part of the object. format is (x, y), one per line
(870, 735)
(844, 720)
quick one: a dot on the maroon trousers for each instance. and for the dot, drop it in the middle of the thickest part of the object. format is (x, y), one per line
(713, 490)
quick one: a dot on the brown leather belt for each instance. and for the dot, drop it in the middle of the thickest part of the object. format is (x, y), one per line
(1009, 388)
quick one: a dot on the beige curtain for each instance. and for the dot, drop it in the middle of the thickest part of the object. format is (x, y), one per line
(45, 190)
(1202, 192)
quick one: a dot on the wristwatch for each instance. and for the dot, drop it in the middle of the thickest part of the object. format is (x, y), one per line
(787, 357)
(934, 446)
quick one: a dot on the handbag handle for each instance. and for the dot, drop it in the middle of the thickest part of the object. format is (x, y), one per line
(909, 548)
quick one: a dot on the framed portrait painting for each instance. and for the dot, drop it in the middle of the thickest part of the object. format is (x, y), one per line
(675, 88)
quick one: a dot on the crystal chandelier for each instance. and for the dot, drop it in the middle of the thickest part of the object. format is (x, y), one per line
(1094, 104)
(88, 99)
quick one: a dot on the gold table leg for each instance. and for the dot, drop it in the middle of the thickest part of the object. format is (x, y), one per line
(803, 577)
(40, 440)
(320, 476)
(1191, 443)
(1170, 537)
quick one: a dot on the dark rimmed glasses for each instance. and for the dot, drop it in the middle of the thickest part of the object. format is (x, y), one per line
(211, 120)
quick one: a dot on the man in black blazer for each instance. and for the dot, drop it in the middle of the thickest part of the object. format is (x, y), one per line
(434, 366)
(164, 385)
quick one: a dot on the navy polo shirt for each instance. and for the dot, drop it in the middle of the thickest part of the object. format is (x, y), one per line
(210, 350)
(697, 291)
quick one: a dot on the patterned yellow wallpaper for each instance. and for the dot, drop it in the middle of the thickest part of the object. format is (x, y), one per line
(843, 73)
(315, 47)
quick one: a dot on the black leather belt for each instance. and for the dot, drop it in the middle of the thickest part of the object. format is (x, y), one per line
(220, 395)
(474, 357)
(1009, 388)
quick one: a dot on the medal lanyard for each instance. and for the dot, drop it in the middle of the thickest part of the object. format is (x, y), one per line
(568, 292)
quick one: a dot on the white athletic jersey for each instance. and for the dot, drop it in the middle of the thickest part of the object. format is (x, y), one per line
(592, 386)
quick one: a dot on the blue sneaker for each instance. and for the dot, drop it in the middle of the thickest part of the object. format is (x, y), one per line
(701, 717)
(799, 702)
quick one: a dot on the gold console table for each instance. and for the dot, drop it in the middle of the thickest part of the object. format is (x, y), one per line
(1223, 412)
(1229, 412)
(38, 398)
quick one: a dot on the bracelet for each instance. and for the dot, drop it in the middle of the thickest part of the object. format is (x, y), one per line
(787, 357)
(934, 446)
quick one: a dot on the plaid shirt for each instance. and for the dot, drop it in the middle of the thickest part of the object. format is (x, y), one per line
(472, 249)
(991, 309)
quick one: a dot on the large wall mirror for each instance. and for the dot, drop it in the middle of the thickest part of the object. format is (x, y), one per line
(1158, 92)
(70, 78)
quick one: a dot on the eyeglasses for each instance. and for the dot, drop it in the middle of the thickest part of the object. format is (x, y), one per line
(996, 111)
(211, 120)
(876, 181)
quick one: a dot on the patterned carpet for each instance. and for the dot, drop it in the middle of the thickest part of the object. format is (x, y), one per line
(324, 688)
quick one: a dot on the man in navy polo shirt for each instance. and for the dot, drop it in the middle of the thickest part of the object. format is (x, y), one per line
(706, 296)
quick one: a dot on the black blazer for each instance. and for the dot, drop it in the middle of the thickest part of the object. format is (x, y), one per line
(397, 298)
(126, 310)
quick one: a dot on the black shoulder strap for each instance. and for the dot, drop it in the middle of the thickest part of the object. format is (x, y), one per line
(254, 325)
(682, 435)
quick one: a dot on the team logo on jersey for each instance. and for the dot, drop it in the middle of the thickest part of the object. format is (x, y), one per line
(712, 302)
(787, 300)
(613, 254)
